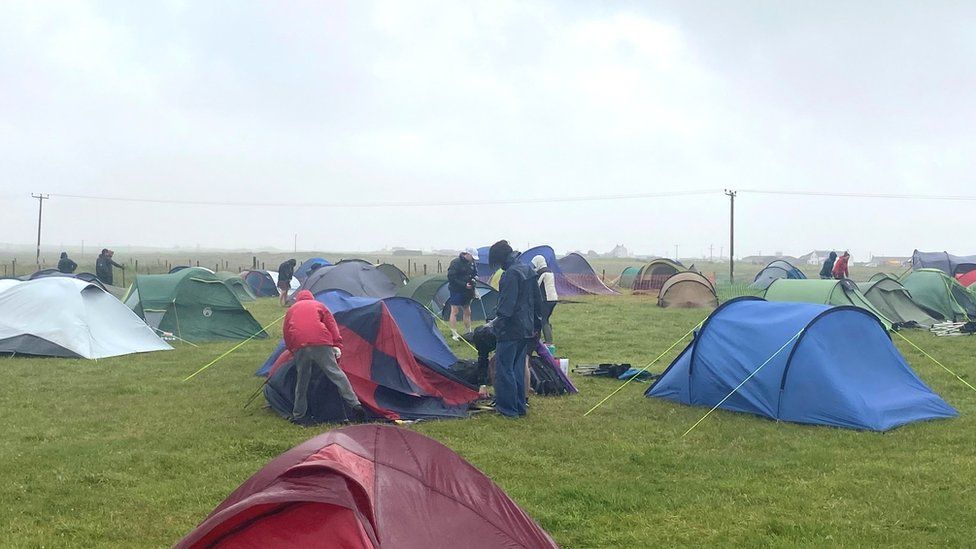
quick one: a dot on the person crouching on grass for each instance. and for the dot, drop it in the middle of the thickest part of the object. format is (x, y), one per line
(517, 323)
(461, 276)
(312, 336)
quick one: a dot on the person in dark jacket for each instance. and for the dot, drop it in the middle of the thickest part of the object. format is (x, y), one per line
(461, 275)
(104, 264)
(827, 271)
(516, 326)
(66, 265)
(286, 271)
(312, 336)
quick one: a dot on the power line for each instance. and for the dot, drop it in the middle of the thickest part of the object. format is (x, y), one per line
(392, 204)
(862, 195)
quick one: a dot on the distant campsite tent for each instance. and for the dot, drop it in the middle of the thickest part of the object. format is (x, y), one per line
(627, 277)
(827, 292)
(774, 271)
(368, 486)
(687, 290)
(303, 270)
(578, 272)
(193, 304)
(6, 283)
(820, 365)
(652, 276)
(262, 283)
(396, 360)
(938, 292)
(949, 264)
(967, 279)
(358, 277)
(68, 317)
(394, 273)
(236, 284)
(895, 302)
(84, 277)
(179, 268)
(432, 291)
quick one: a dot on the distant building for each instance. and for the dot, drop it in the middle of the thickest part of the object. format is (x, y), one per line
(404, 251)
(889, 261)
(766, 259)
(816, 257)
(619, 251)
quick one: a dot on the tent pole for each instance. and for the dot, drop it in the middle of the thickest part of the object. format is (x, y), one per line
(731, 194)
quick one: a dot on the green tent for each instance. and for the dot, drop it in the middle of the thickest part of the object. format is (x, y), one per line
(192, 304)
(432, 292)
(237, 285)
(828, 292)
(895, 302)
(627, 278)
(934, 290)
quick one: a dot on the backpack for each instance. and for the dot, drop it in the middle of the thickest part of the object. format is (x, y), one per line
(543, 379)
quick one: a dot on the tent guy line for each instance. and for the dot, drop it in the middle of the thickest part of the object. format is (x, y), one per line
(234, 348)
(930, 357)
(649, 364)
(739, 386)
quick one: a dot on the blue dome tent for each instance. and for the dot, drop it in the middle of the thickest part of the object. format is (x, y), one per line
(835, 366)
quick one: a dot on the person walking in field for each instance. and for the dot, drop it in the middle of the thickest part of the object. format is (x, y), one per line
(286, 271)
(517, 323)
(104, 264)
(827, 271)
(547, 288)
(461, 276)
(840, 266)
(66, 265)
(312, 336)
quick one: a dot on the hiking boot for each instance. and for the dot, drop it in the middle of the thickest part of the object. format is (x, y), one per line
(455, 336)
(358, 414)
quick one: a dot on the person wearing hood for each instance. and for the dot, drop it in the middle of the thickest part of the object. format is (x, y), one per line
(286, 271)
(312, 336)
(827, 271)
(517, 323)
(547, 288)
(841, 270)
(461, 275)
(66, 265)
(104, 264)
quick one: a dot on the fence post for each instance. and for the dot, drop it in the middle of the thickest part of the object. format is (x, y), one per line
(603, 277)
(254, 262)
(137, 265)
(262, 265)
(216, 267)
(438, 266)
(408, 267)
(13, 267)
(425, 269)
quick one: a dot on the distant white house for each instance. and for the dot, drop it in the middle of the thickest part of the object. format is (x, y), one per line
(816, 257)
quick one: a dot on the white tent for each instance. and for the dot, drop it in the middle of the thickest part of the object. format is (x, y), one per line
(8, 283)
(67, 317)
(293, 285)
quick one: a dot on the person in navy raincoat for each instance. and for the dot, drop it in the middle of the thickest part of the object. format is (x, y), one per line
(516, 326)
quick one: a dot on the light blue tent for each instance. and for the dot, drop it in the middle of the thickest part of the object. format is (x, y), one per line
(835, 366)
(307, 266)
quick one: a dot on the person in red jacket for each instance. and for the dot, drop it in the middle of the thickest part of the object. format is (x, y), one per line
(840, 266)
(312, 336)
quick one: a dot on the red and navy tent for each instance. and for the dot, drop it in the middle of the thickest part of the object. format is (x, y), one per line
(366, 487)
(397, 362)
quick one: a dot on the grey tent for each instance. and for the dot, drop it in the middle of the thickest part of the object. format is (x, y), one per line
(774, 271)
(578, 272)
(359, 278)
(67, 317)
(895, 302)
(951, 265)
(393, 273)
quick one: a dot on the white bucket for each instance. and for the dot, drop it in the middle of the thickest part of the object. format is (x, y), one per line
(564, 365)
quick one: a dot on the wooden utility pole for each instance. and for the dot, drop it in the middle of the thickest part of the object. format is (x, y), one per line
(40, 212)
(731, 194)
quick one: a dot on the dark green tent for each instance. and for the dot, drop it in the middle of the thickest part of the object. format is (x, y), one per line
(193, 304)
(432, 292)
(934, 290)
(237, 285)
(895, 302)
(627, 277)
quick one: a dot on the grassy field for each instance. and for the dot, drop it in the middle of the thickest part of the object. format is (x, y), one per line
(121, 452)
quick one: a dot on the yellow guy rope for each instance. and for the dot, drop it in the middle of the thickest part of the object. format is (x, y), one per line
(919, 349)
(739, 386)
(644, 369)
(232, 349)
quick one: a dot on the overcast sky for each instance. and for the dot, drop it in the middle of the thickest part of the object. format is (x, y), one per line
(412, 101)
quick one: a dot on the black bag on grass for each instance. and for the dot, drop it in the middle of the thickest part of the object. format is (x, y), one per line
(543, 379)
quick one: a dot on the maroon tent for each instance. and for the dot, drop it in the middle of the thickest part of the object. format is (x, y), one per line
(369, 486)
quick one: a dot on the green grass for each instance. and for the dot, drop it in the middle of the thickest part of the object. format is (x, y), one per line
(121, 452)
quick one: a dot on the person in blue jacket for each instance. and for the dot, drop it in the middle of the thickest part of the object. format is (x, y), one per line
(517, 324)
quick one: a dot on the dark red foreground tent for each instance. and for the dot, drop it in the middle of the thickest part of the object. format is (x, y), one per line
(369, 486)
